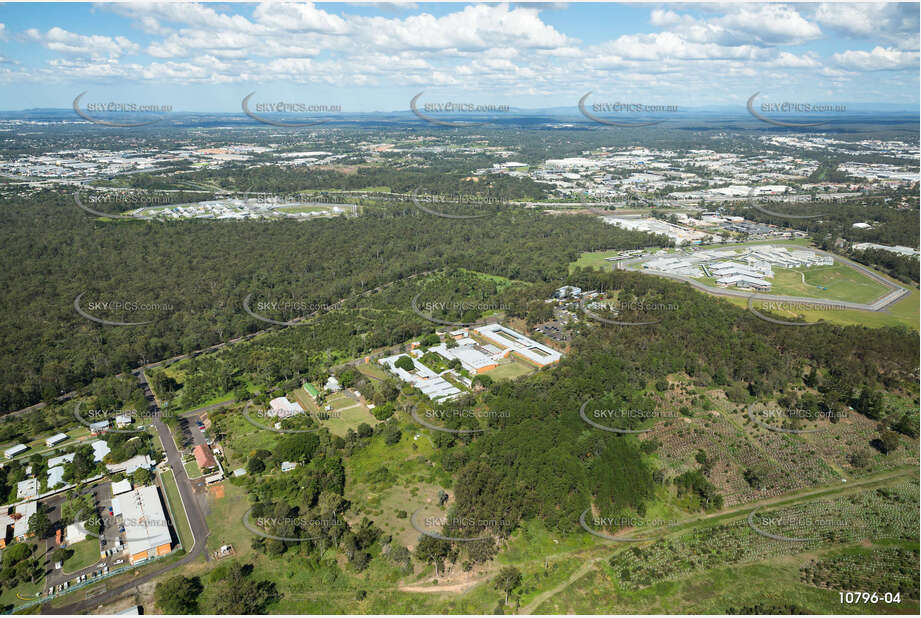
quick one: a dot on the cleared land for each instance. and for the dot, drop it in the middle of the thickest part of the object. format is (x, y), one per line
(346, 414)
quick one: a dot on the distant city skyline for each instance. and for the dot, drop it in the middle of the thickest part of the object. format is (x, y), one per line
(376, 57)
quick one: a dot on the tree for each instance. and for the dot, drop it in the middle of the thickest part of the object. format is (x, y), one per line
(255, 465)
(364, 430)
(507, 580)
(142, 476)
(430, 549)
(61, 554)
(179, 595)
(236, 592)
(405, 363)
(297, 447)
(888, 441)
(39, 524)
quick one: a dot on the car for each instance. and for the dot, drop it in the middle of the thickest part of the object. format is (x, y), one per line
(105, 570)
(119, 561)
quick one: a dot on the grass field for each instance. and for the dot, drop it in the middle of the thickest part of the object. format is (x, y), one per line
(841, 283)
(225, 520)
(86, 553)
(346, 414)
(177, 511)
(372, 370)
(192, 469)
(906, 313)
(510, 371)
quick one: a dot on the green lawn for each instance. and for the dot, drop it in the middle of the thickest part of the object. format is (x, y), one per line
(841, 283)
(225, 520)
(86, 553)
(347, 414)
(903, 313)
(510, 371)
(373, 370)
(177, 512)
(192, 469)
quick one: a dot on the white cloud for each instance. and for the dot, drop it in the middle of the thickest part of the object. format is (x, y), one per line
(95, 46)
(896, 23)
(880, 59)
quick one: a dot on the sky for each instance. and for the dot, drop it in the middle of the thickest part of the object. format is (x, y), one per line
(375, 57)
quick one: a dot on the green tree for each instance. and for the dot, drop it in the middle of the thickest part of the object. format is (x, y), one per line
(178, 595)
(508, 579)
(39, 524)
(405, 363)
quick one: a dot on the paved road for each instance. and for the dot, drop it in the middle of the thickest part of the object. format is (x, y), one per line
(193, 513)
(896, 292)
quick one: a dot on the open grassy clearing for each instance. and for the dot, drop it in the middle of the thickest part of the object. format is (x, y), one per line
(86, 553)
(840, 282)
(225, 520)
(192, 469)
(905, 313)
(177, 510)
(511, 370)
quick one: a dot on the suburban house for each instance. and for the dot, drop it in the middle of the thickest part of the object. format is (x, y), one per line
(204, 457)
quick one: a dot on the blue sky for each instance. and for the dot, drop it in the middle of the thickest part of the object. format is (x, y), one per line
(375, 57)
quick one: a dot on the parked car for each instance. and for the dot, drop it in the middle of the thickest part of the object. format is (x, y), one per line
(119, 561)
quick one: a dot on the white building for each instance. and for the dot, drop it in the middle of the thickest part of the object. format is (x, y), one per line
(27, 489)
(283, 408)
(55, 439)
(14, 450)
(146, 528)
(120, 487)
(510, 341)
(75, 532)
(430, 383)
